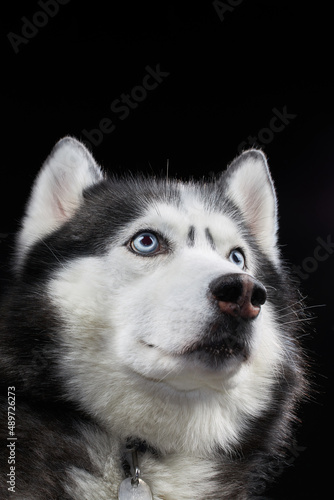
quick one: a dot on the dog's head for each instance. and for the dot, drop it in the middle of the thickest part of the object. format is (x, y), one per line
(165, 291)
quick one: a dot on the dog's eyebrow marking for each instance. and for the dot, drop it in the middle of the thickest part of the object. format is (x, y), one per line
(191, 236)
(210, 238)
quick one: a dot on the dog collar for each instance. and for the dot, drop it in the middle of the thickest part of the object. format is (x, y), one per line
(133, 487)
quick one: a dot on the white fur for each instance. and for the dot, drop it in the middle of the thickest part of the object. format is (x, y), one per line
(175, 476)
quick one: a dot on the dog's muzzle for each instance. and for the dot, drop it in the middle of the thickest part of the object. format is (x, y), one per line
(238, 295)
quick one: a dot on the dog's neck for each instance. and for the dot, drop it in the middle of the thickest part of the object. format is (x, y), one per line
(172, 475)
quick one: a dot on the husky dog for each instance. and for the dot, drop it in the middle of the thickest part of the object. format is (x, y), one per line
(149, 343)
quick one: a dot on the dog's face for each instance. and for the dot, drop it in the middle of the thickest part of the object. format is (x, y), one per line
(160, 302)
(158, 286)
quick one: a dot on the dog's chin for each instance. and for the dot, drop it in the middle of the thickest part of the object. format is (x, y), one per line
(204, 364)
(206, 369)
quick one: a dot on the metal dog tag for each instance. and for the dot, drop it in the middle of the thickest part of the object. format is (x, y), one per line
(134, 490)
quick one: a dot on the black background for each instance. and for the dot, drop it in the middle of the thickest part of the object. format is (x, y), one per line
(226, 76)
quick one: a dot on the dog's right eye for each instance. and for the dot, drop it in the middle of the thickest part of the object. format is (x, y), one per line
(145, 244)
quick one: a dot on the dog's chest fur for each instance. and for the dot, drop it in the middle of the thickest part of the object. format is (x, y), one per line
(170, 477)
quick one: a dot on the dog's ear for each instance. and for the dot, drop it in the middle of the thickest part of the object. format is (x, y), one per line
(57, 192)
(250, 187)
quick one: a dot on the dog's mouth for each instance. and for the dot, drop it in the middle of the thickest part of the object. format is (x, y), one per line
(225, 339)
(213, 349)
(217, 347)
(215, 354)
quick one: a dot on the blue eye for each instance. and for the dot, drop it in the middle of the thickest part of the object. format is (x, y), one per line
(145, 243)
(237, 257)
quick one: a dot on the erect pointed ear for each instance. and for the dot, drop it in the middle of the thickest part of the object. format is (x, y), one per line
(57, 191)
(250, 187)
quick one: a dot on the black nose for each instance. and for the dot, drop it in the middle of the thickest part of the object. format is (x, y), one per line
(239, 295)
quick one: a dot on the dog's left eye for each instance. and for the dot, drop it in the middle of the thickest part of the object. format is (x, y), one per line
(145, 243)
(237, 257)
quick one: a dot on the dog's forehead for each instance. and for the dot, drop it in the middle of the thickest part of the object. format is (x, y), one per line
(187, 212)
(192, 199)
(190, 211)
